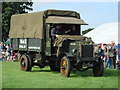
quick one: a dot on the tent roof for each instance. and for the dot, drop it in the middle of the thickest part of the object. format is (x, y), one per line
(105, 33)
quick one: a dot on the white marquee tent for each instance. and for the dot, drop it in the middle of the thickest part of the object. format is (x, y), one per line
(105, 33)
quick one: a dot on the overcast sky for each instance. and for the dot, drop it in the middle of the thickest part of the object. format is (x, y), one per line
(93, 13)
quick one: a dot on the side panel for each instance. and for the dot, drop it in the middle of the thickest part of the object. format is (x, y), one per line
(14, 44)
(24, 44)
(35, 45)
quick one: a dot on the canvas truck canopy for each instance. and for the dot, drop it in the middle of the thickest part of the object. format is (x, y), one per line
(30, 25)
(64, 20)
(27, 25)
(66, 13)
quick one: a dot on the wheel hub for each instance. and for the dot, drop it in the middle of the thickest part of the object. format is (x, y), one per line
(63, 67)
(23, 63)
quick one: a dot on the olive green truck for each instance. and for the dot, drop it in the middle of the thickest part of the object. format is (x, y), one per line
(31, 39)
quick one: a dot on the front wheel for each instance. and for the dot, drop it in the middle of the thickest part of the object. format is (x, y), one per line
(98, 69)
(65, 67)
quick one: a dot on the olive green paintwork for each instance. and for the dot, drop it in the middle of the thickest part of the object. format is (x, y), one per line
(27, 44)
(76, 42)
(47, 41)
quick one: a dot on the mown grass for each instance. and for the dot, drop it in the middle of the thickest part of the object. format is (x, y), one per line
(13, 77)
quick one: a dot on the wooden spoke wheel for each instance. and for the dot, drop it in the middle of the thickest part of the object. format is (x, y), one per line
(65, 67)
(98, 69)
(25, 63)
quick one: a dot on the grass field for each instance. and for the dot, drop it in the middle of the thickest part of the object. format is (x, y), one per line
(13, 77)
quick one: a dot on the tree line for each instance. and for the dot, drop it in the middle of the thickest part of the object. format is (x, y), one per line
(10, 8)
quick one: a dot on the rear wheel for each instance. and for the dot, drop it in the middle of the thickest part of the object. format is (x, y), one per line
(25, 63)
(65, 67)
(98, 69)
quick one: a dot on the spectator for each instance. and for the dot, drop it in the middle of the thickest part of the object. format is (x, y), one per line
(118, 62)
(4, 55)
(0, 53)
(105, 46)
(5, 52)
(100, 51)
(8, 52)
(113, 51)
(15, 57)
(109, 59)
(2, 46)
(118, 52)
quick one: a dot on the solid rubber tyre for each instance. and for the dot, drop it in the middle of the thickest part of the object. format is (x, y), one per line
(98, 69)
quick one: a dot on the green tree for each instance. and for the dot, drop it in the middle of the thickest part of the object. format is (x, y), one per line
(10, 8)
(86, 31)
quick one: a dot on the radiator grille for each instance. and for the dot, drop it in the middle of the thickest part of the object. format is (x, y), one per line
(87, 50)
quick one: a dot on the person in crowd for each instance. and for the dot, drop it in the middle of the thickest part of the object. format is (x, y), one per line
(118, 62)
(4, 56)
(2, 47)
(118, 52)
(3, 51)
(113, 51)
(105, 48)
(8, 52)
(110, 57)
(0, 52)
(15, 56)
(100, 51)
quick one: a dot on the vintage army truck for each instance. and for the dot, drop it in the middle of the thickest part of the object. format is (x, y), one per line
(31, 40)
